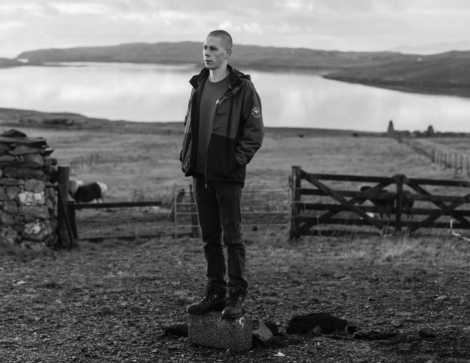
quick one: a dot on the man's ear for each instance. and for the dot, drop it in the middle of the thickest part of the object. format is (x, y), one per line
(228, 54)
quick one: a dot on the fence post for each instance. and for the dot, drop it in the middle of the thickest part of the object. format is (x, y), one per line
(295, 184)
(399, 209)
(64, 229)
(194, 215)
(468, 166)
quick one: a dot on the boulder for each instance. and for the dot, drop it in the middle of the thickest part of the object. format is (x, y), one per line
(212, 331)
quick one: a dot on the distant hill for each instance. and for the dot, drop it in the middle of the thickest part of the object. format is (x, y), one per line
(4, 63)
(244, 56)
(434, 48)
(445, 73)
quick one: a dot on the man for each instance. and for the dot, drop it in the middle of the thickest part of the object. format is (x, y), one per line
(224, 129)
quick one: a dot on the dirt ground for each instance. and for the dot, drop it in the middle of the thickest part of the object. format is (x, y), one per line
(111, 301)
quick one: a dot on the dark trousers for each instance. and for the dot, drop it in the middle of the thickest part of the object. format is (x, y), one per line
(219, 210)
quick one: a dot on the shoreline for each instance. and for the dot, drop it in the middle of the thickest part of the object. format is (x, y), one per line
(20, 118)
(435, 89)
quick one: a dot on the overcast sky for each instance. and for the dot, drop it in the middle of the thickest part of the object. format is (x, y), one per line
(321, 24)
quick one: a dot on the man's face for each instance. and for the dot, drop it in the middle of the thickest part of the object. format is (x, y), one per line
(214, 52)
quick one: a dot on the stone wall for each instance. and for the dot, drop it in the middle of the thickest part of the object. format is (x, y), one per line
(28, 212)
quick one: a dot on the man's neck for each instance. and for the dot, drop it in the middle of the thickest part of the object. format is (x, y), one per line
(218, 74)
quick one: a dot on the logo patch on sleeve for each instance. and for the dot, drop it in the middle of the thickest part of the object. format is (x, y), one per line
(256, 112)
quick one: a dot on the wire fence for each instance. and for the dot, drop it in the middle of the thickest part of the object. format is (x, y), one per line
(262, 211)
(457, 162)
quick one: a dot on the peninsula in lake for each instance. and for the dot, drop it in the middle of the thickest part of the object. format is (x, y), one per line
(446, 73)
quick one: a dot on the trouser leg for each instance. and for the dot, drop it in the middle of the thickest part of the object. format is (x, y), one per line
(209, 220)
(229, 200)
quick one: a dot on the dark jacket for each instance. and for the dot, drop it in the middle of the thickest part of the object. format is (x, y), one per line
(237, 131)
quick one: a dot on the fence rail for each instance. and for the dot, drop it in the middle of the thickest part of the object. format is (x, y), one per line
(401, 203)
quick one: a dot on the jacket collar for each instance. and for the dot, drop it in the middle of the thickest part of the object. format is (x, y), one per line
(235, 77)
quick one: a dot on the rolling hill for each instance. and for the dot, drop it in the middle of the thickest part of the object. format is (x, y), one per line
(445, 73)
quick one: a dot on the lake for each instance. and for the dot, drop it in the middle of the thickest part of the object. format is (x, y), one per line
(160, 93)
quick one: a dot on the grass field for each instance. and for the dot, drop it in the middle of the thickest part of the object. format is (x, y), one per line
(110, 302)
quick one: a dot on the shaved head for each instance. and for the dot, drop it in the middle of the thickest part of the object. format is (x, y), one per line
(224, 36)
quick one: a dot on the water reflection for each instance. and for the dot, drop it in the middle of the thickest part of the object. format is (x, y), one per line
(160, 93)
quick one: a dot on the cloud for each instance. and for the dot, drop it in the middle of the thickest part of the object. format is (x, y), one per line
(81, 8)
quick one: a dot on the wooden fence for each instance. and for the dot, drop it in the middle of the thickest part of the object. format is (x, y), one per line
(67, 229)
(308, 214)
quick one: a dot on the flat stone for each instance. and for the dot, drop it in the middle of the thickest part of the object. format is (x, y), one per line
(261, 331)
(35, 159)
(6, 219)
(34, 212)
(7, 158)
(212, 331)
(20, 164)
(35, 186)
(9, 207)
(24, 173)
(30, 142)
(13, 133)
(8, 181)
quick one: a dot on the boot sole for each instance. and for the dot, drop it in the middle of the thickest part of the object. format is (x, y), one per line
(202, 312)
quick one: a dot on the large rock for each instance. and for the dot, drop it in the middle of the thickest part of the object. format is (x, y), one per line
(12, 192)
(35, 159)
(212, 331)
(37, 232)
(24, 173)
(6, 219)
(34, 212)
(9, 206)
(7, 158)
(30, 198)
(35, 186)
(8, 181)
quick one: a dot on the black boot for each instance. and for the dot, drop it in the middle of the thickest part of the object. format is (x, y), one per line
(233, 308)
(213, 300)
